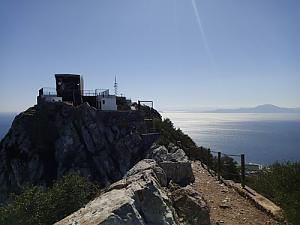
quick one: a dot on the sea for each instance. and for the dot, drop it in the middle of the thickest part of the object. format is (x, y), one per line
(5, 123)
(264, 138)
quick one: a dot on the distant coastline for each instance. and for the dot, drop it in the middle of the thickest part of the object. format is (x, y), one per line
(266, 108)
(263, 137)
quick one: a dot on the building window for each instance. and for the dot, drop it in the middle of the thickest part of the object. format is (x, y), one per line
(103, 102)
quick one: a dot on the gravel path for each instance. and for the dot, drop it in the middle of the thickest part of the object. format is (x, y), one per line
(226, 205)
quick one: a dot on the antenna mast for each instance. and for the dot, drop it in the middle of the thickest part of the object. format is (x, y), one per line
(116, 86)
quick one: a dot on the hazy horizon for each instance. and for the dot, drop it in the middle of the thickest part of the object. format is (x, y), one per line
(180, 54)
(263, 138)
(180, 109)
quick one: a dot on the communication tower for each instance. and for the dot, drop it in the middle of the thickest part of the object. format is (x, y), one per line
(116, 86)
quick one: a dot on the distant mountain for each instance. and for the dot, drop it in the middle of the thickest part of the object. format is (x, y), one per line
(267, 108)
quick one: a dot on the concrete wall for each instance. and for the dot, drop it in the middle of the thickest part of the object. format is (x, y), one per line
(107, 102)
(49, 98)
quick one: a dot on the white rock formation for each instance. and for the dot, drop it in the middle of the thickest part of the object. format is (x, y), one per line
(138, 199)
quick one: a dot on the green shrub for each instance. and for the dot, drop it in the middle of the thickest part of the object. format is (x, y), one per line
(281, 184)
(38, 206)
(229, 168)
(170, 134)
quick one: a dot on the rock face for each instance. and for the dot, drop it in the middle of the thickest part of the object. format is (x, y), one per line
(147, 164)
(46, 141)
(161, 153)
(179, 172)
(138, 199)
(174, 162)
(190, 206)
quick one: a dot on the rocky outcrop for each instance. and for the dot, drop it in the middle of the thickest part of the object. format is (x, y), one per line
(48, 140)
(138, 199)
(179, 172)
(161, 153)
(174, 162)
(148, 164)
(190, 206)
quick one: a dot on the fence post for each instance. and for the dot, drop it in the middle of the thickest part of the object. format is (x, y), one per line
(208, 159)
(219, 165)
(243, 170)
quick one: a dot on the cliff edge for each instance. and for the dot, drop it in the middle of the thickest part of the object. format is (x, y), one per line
(49, 140)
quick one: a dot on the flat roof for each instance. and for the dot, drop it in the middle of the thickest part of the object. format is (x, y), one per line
(66, 75)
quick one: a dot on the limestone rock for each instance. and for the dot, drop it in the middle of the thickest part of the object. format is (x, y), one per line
(161, 153)
(190, 206)
(137, 199)
(47, 141)
(179, 172)
(172, 147)
(179, 156)
(175, 164)
(148, 164)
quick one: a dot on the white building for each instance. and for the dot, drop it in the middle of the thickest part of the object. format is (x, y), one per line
(108, 102)
(105, 101)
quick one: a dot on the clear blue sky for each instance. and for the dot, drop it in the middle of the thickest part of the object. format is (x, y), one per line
(180, 53)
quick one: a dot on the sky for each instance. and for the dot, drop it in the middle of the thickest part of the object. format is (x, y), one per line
(182, 54)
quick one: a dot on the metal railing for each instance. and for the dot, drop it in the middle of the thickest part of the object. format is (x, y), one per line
(88, 93)
(220, 164)
(96, 92)
(48, 91)
(52, 91)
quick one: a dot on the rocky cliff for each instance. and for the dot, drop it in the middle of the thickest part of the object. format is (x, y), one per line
(46, 141)
(141, 198)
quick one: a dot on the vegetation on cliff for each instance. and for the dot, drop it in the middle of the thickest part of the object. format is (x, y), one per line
(170, 134)
(281, 184)
(39, 206)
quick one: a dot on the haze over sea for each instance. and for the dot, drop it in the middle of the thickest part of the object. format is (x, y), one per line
(5, 123)
(263, 137)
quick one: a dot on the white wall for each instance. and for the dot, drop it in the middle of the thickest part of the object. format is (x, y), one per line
(107, 102)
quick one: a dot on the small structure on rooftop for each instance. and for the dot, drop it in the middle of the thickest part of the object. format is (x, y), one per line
(69, 87)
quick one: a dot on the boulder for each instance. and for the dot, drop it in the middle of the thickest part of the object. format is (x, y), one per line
(138, 199)
(161, 153)
(176, 164)
(179, 172)
(190, 206)
(149, 164)
(158, 153)
(172, 147)
(178, 156)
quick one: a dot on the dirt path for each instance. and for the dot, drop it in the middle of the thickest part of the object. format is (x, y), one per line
(226, 205)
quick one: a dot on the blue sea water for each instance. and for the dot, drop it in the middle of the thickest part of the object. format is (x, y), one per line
(263, 137)
(5, 123)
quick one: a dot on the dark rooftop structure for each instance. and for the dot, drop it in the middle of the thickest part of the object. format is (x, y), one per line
(69, 87)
